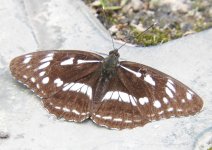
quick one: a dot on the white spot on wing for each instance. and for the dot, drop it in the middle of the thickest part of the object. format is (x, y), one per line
(29, 66)
(67, 86)
(67, 62)
(44, 65)
(107, 117)
(85, 113)
(138, 74)
(89, 92)
(124, 97)
(50, 55)
(33, 79)
(157, 104)
(170, 109)
(38, 86)
(57, 107)
(45, 80)
(84, 89)
(128, 121)
(58, 82)
(179, 110)
(165, 100)
(189, 96)
(46, 59)
(121, 96)
(161, 112)
(170, 81)
(115, 95)
(98, 116)
(66, 109)
(27, 60)
(108, 95)
(149, 79)
(117, 119)
(169, 93)
(86, 61)
(170, 86)
(24, 76)
(76, 87)
(42, 73)
(183, 100)
(75, 112)
(133, 100)
(143, 100)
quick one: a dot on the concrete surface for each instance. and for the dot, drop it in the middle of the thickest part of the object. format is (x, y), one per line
(29, 25)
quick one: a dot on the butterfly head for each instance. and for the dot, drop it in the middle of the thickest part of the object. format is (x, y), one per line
(114, 53)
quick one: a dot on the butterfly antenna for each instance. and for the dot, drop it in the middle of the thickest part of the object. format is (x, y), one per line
(107, 24)
(142, 33)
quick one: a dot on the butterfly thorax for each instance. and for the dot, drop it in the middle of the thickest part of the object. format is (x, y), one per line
(109, 64)
(108, 71)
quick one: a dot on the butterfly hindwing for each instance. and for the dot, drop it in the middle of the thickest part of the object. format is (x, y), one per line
(60, 78)
(118, 108)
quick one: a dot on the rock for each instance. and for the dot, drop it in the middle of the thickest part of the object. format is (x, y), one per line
(134, 5)
(4, 135)
(210, 12)
(138, 27)
(137, 5)
(186, 27)
(113, 29)
(170, 5)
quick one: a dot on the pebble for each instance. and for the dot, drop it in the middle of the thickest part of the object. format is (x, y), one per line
(137, 4)
(113, 29)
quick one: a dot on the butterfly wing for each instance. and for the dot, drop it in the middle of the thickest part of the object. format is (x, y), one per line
(61, 78)
(140, 94)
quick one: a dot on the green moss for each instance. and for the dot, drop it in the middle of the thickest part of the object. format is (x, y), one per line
(112, 20)
(201, 25)
(111, 4)
(210, 148)
(154, 36)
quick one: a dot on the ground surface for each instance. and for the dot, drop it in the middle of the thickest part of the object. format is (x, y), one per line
(126, 19)
(29, 25)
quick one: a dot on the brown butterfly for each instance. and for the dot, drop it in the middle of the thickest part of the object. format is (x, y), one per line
(77, 85)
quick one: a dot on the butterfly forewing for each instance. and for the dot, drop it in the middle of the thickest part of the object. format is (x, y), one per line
(61, 78)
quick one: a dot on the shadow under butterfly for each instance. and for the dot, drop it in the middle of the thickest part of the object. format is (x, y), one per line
(77, 85)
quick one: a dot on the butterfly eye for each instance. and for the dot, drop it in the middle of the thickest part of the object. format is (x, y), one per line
(77, 85)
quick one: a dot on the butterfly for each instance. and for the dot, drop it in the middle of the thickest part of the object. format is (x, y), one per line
(77, 85)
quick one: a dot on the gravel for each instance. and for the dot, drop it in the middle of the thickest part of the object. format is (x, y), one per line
(174, 18)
